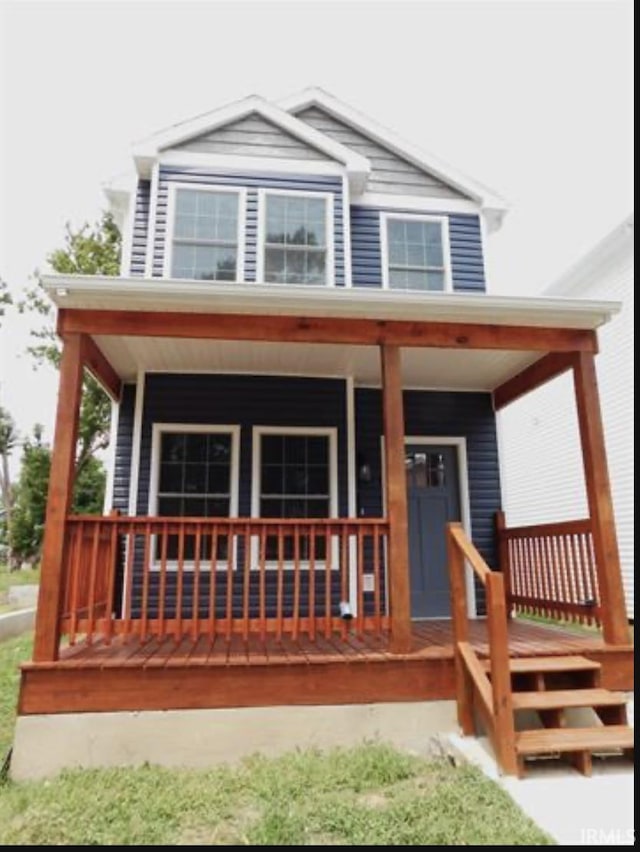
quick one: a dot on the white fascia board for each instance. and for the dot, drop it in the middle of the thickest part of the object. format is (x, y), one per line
(95, 292)
(614, 246)
(417, 203)
(148, 150)
(259, 165)
(493, 204)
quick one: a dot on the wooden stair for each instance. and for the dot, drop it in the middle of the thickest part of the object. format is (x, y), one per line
(533, 689)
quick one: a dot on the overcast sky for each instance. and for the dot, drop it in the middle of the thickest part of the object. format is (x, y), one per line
(533, 99)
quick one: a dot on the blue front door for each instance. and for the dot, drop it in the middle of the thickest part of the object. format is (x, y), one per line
(433, 500)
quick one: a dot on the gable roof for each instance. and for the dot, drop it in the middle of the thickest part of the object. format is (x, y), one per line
(585, 270)
(146, 152)
(492, 204)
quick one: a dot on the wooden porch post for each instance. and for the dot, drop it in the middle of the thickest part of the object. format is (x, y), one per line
(396, 485)
(596, 474)
(47, 633)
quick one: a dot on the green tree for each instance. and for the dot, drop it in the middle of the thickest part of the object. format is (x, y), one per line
(8, 441)
(27, 520)
(27, 523)
(92, 250)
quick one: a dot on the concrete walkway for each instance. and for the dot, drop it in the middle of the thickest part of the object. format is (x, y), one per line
(574, 810)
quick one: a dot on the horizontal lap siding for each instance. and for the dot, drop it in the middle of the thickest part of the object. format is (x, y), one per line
(390, 173)
(140, 232)
(202, 177)
(124, 443)
(468, 415)
(246, 401)
(467, 265)
(252, 136)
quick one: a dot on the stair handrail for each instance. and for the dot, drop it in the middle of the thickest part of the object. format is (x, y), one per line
(494, 699)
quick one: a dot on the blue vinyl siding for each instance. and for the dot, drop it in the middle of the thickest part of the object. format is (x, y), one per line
(467, 265)
(199, 177)
(124, 444)
(140, 233)
(468, 415)
(286, 401)
(248, 401)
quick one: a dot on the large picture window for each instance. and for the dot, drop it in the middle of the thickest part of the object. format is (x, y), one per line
(206, 235)
(294, 477)
(196, 475)
(296, 239)
(415, 253)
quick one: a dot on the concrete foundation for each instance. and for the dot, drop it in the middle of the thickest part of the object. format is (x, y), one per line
(44, 745)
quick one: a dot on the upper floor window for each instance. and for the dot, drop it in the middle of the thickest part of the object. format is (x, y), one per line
(415, 252)
(297, 238)
(206, 236)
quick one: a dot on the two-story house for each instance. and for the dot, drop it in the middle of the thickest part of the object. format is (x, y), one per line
(305, 366)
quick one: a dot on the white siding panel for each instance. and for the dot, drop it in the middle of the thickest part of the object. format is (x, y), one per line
(541, 457)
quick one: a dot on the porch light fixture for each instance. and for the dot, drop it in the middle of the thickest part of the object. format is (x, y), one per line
(364, 470)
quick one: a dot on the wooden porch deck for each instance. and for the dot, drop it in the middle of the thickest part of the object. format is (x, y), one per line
(170, 673)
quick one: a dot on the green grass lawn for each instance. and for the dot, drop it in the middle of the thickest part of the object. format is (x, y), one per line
(371, 795)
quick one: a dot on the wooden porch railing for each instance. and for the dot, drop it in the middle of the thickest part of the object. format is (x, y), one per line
(219, 576)
(550, 570)
(494, 700)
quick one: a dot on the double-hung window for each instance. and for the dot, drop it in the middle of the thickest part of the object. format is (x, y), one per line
(296, 238)
(415, 252)
(196, 477)
(206, 235)
(294, 477)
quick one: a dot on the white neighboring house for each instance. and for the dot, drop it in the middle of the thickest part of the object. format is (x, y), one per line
(541, 461)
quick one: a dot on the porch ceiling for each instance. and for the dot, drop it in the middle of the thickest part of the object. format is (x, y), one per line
(446, 369)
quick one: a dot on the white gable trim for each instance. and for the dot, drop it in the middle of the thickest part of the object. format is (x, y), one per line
(490, 201)
(238, 163)
(146, 152)
(416, 203)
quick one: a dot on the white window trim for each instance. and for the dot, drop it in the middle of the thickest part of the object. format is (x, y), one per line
(460, 444)
(385, 217)
(329, 431)
(328, 197)
(240, 191)
(160, 429)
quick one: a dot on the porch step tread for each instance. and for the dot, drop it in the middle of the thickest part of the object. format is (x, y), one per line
(528, 665)
(549, 740)
(557, 699)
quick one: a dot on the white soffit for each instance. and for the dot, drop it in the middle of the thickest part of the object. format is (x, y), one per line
(440, 369)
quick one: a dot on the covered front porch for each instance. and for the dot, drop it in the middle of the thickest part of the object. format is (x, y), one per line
(142, 609)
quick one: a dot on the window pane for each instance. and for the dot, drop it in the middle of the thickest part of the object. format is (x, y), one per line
(172, 447)
(318, 449)
(202, 220)
(295, 479)
(274, 265)
(219, 448)
(435, 281)
(272, 449)
(272, 479)
(417, 280)
(195, 479)
(194, 507)
(317, 480)
(218, 479)
(170, 507)
(415, 247)
(295, 448)
(196, 448)
(271, 508)
(318, 508)
(299, 224)
(171, 477)
(217, 507)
